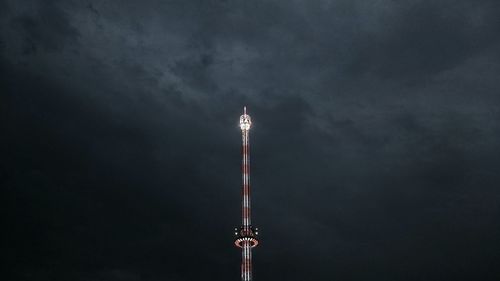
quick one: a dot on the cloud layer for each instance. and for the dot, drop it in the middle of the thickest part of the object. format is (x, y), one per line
(375, 144)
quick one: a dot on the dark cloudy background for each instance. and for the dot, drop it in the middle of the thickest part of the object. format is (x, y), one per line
(375, 146)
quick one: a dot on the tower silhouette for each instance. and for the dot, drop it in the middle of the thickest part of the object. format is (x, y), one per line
(246, 234)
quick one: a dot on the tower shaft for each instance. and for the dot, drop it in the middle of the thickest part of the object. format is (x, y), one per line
(245, 169)
(246, 261)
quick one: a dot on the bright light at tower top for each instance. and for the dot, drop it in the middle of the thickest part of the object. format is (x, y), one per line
(245, 120)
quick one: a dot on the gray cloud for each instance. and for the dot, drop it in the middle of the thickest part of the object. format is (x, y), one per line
(374, 148)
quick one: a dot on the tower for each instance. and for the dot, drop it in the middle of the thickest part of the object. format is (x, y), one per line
(246, 234)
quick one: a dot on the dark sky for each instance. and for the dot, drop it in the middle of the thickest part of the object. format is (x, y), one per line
(375, 145)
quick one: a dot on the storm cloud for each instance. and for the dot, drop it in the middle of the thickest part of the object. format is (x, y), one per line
(375, 145)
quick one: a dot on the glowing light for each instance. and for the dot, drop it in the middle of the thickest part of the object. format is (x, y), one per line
(245, 120)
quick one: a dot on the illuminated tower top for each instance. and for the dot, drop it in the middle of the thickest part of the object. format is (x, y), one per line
(245, 120)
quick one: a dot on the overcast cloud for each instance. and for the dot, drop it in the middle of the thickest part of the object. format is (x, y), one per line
(375, 145)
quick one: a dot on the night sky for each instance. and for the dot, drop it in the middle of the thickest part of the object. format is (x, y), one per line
(375, 145)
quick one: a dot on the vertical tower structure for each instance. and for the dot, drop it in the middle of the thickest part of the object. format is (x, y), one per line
(246, 234)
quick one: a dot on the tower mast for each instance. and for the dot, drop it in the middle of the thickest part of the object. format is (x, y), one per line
(246, 235)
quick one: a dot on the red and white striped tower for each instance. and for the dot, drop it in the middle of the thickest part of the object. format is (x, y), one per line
(246, 235)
